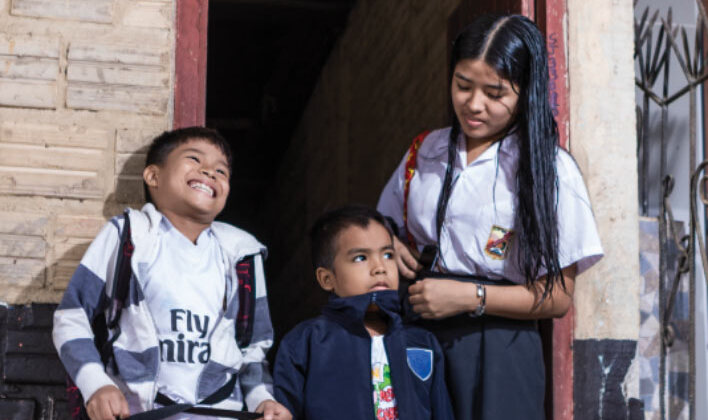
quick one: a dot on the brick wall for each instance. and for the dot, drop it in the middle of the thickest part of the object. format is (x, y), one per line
(385, 81)
(84, 85)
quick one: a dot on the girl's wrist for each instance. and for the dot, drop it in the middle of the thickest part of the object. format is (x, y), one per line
(472, 300)
(481, 294)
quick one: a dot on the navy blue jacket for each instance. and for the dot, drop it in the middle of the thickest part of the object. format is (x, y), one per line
(323, 366)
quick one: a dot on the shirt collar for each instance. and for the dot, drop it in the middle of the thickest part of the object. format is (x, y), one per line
(167, 226)
(506, 148)
(435, 145)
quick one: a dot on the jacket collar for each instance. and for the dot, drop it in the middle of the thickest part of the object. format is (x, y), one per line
(350, 311)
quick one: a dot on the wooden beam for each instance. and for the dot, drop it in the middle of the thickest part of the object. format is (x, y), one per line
(551, 16)
(311, 5)
(528, 8)
(190, 63)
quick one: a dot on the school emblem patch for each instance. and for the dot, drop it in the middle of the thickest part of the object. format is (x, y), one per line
(499, 242)
(420, 362)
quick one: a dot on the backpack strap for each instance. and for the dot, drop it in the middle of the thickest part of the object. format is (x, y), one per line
(170, 408)
(100, 324)
(411, 163)
(245, 271)
(119, 292)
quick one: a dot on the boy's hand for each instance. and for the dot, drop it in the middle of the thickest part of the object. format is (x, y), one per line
(107, 403)
(273, 410)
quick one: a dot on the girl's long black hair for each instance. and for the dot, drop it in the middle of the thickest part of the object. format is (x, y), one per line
(514, 47)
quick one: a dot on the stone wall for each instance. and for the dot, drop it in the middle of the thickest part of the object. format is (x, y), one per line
(84, 85)
(384, 82)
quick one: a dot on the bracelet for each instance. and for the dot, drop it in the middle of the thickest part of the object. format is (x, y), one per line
(482, 295)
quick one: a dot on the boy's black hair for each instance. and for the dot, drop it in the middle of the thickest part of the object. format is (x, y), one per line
(166, 142)
(328, 226)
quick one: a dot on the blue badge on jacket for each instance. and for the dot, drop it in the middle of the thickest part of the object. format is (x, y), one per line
(420, 362)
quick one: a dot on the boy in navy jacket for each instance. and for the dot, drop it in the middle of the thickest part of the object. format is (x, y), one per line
(357, 360)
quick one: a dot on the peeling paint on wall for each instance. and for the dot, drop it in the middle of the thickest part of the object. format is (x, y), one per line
(601, 367)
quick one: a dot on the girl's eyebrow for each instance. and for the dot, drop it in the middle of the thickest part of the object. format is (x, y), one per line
(496, 87)
(459, 76)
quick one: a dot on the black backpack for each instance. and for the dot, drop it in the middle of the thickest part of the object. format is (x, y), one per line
(102, 324)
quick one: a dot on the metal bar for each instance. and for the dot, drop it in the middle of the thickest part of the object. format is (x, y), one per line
(654, 62)
(682, 266)
(676, 48)
(694, 218)
(656, 65)
(692, 284)
(687, 52)
(696, 46)
(645, 156)
(679, 93)
(653, 96)
(662, 263)
(667, 51)
(695, 235)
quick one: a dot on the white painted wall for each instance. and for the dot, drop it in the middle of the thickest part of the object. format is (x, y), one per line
(603, 141)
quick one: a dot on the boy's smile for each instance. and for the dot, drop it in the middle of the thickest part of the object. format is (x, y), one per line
(192, 183)
(363, 262)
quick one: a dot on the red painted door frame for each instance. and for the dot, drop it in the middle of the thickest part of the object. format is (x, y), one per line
(190, 109)
(190, 63)
(552, 16)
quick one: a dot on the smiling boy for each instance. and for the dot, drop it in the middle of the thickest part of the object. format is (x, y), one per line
(176, 341)
(357, 360)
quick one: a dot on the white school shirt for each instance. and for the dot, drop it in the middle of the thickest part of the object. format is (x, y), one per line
(477, 234)
(184, 289)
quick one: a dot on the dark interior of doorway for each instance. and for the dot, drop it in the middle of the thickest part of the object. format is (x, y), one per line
(264, 58)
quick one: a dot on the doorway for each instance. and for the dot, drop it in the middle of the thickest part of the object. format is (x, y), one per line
(264, 58)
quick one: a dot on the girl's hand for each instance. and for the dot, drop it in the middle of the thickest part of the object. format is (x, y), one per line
(442, 298)
(107, 403)
(406, 259)
(273, 410)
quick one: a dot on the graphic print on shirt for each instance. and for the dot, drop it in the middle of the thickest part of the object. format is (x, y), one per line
(499, 242)
(385, 407)
(189, 344)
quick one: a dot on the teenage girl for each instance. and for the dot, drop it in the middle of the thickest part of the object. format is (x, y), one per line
(510, 216)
